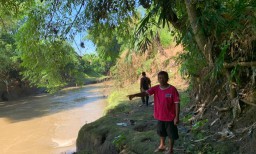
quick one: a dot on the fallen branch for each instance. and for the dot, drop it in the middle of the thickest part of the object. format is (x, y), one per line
(204, 106)
(199, 110)
(246, 102)
(200, 140)
(213, 100)
(222, 109)
(214, 121)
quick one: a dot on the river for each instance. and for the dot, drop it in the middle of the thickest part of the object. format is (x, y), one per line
(49, 124)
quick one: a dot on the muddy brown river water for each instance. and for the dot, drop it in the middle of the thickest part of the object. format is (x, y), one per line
(49, 124)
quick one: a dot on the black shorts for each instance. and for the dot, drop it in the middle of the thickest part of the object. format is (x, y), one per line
(167, 128)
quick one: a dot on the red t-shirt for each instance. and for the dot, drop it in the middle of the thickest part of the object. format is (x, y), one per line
(164, 102)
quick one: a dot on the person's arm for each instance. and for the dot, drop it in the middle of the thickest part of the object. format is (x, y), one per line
(142, 94)
(177, 111)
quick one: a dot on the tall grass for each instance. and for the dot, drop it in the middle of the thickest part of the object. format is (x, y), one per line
(119, 95)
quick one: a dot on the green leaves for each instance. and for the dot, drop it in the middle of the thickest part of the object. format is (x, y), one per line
(95, 64)
(54, 64)
(112, 27)
(146, 31)
(49, 64)
(7, 63)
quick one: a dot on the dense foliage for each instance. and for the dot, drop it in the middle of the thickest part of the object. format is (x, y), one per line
(95, 64)
(218, 36)
(9, 67)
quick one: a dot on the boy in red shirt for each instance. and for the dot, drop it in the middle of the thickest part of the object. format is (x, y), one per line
(166, 110)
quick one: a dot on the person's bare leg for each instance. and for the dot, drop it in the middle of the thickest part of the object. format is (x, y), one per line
(162, 143)
(171, 143)
(161, 147)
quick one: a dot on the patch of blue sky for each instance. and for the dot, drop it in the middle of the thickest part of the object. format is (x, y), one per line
(89, 46)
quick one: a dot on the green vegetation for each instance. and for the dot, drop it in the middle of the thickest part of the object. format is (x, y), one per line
(118, 96)
(9, 59)
(218, 38)
(166, 38)
(199, 124)
(39, 24)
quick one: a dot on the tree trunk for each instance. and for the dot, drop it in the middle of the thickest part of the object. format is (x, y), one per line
(204, 44)
(6, 85)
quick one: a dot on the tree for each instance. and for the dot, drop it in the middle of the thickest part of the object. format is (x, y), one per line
(227, 41)
(46, 62)
(8, 65)
(9, 61)
(106, 42)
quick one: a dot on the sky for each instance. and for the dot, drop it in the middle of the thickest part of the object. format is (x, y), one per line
(89, 45)
(81, 37)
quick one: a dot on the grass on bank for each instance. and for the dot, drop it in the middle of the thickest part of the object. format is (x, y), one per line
(138, 138)
(119, 96)
(93, 77)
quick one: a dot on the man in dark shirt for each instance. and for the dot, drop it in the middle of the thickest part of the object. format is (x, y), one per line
(145, 84)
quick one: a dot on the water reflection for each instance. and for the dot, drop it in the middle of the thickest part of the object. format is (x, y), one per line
(48, 124)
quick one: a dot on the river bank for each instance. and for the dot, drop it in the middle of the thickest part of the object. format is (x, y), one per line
(126, 129)
(18, 91)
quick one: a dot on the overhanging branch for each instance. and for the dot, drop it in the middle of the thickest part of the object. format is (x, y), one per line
(78, 12)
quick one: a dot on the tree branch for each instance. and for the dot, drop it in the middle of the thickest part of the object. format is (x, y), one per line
(244, 64)
(246, 102)
(68, 29)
